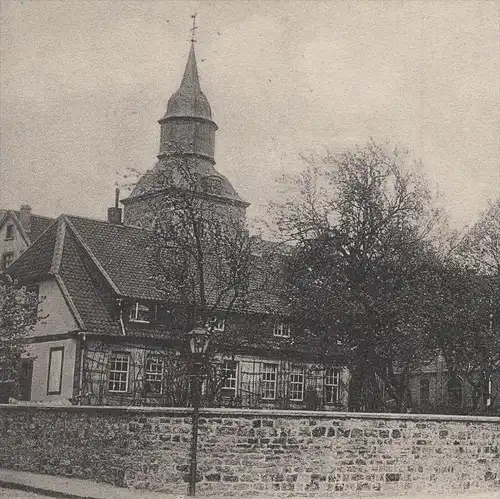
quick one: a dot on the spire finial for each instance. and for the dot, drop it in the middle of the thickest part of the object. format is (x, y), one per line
(194, 28)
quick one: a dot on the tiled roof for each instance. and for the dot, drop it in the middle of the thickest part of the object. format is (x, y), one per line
(124, 254)
(39, 223)
(90, 293)
(96, 262)
(37, 259)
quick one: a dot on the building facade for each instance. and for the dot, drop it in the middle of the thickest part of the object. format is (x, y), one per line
(110, 334)
(18, 230)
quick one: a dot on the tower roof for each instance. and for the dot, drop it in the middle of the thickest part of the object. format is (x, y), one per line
(189, 100)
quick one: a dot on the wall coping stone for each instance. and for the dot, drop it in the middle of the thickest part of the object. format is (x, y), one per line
(252, 413)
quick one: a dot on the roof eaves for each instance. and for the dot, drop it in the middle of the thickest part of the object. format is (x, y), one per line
(92, 256)
(69, 301)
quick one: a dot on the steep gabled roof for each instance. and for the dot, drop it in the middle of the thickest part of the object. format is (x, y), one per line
(38, 223)
(122, 253)
(96, 262)
(37, 259)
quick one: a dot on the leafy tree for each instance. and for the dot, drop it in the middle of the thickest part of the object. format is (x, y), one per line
(468, 306)
(480, 247)
(361, 224)
(18, 310)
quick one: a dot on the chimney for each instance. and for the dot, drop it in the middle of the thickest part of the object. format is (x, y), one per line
(25, 217)
(115, 213)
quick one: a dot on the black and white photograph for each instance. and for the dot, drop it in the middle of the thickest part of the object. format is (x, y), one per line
(250, 249)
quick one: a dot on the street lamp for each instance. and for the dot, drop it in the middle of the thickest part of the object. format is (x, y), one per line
(198, 343)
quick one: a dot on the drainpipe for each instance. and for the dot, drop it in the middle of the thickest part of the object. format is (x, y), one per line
(83, 337)
(122, 324)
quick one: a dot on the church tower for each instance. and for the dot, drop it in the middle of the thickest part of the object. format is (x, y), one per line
(187, 137)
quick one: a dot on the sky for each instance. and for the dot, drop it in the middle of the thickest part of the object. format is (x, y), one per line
(82, 85)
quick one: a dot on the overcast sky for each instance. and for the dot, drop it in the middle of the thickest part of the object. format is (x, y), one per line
(84, 83)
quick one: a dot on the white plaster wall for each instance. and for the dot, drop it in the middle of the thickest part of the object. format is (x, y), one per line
(54, 314)
(40, 352)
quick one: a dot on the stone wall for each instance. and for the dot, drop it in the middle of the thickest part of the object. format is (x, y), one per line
(265, 453)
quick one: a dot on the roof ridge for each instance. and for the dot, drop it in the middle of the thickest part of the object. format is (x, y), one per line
(92, 256)
(122, 225)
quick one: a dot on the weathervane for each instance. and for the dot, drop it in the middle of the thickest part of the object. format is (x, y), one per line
(193, 29)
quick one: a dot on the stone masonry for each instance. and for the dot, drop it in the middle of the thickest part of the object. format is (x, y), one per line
(248, 452)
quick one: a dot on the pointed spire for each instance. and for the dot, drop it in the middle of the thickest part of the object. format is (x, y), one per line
(189, 100)
(190, 80)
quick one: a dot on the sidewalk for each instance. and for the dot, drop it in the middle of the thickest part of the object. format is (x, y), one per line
(74, 488)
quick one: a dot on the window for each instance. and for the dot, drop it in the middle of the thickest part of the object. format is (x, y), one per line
(9, 232)
(118, 372)
(142, 312)
(454, 389)
(297, 384)
(268, 380)
(281, 329)
(54, 379)
(424, 391)
(229, 377)
(219, 324)
(488, 391)
(213, 184)
(154, 374)
(7, 259)
(332, 385)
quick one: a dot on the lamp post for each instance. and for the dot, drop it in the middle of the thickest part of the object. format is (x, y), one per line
(198, 343)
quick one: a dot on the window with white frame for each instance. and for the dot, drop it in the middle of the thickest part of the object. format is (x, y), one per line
(9, 232)
(268, 381)
(332, 385)
(54, 379)
(297, 384)
(154, 374)
(118, 372)
(229, 377)
(142, 312)
(281, 329)
(219, 324)
(7, 259)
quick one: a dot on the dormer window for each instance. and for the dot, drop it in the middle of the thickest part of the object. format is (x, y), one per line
(281, 329)
(142, 312)
(9, 232)
(219, 325)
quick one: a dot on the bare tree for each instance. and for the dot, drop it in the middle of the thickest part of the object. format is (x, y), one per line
(206, 264)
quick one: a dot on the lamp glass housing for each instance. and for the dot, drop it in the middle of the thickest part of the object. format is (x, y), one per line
(198, 340)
